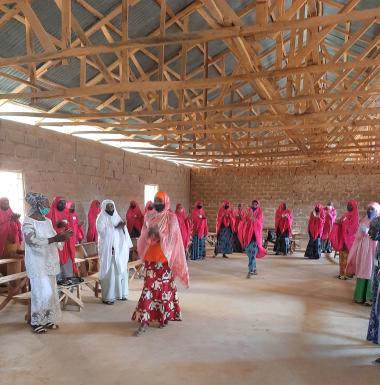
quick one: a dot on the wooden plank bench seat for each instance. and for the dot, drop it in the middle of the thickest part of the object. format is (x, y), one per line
(21, 283)
(9, 260)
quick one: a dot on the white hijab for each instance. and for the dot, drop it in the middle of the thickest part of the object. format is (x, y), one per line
(111, 237)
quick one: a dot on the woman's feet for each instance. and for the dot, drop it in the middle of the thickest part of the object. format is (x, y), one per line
(142, 329)
(377, 361)
(122, 299)
(52, 326)
(254, 272)
(108, 302)
(225, 256)
(39, 329)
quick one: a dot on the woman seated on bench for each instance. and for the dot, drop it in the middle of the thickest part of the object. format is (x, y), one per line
(42, 263)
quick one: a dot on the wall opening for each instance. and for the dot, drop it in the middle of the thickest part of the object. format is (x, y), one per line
(12, 187)
(150, 191)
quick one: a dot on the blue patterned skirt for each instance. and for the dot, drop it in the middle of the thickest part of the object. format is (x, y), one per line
(224, 243)
(374, 320)
(198, 248)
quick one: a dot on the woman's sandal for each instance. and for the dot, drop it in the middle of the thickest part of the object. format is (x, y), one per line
(142, 329)
(38, 329)
(52, 326)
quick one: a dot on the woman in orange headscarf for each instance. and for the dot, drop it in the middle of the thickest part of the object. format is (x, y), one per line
(160, 246)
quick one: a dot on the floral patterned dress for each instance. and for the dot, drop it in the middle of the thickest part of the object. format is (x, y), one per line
(159, 298)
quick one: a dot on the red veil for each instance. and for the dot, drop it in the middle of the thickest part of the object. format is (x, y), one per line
(10, 231)
(316, 222)
(92, 234)
(184, 224)
(252, 224)
(225, 217)
(200, 227)
(283, 219)
(134, 218)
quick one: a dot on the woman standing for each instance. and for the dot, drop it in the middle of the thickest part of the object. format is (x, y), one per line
(225, 222)
(114, 244)
(315, 230)
(251, 236)
(343, 235)
(200, 232)
(374, 320)
(92, 234)
(184, 224)
(60, 219)
(134, 219)
(283, 228)
(74, 223)
(42, 263)
(239, 214)
(361, 256)
(330, 217)
(161, 247)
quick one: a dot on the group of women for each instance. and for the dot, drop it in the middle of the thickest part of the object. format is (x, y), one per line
(51, 232)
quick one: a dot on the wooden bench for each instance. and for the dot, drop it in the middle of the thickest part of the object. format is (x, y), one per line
(13, 290)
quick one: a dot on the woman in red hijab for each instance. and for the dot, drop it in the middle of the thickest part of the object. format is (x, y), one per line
(75, 224)
(148, 207)
(92, 234)
(184, 224)
(343, 235)
(160, 246)
(283, 228)
(239, 214)
(135, 220)
(330, 217)
(10, 237)
(61, 221)
(200, 232)
(251, 235)
(225, 223)
(315, 230)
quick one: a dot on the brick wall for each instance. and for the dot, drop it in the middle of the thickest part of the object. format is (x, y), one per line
(300, 188)
(48, 162)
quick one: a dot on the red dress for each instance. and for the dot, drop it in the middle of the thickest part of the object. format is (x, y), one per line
(159, 298)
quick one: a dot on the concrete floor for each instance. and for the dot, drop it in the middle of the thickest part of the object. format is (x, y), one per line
(292, 324)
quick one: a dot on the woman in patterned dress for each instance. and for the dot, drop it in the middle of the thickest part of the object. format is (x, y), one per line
(160, 246)
(374, 320)
(225, 224)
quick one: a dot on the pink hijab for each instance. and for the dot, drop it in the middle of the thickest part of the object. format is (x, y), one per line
(283, 223)
(316, 222)
(343, 233)
(184, 224)
(200, 228)
(252, 224)
(225, 217)
(363, 250)
(330, 217)
(170, 239)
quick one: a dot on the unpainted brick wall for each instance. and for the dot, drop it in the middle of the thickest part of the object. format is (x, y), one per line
(300, 188)
(83, 170)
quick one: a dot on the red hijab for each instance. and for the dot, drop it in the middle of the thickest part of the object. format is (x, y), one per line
(92, 234)
(10, 231)
(200, 228)
(148, 204)
(225, 217)
(184, 224)
(283, 222)
(68, 251)
(252, 224)
(74, 224)
(238, 214)
(134, 217)
(343, 233)
(316, 222)
(330, 217)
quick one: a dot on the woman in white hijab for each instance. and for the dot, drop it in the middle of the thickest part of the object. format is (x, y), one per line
(113, 244)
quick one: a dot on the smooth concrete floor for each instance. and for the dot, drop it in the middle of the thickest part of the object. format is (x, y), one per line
(292, 324)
